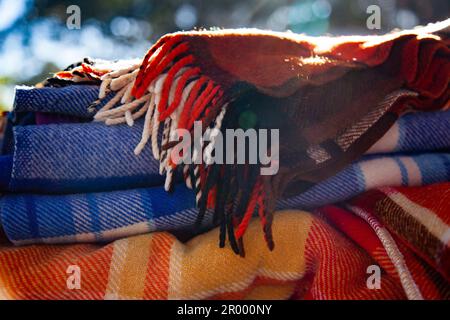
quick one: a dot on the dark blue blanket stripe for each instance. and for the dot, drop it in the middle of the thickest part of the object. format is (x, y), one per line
(71, 100)
(88, 157)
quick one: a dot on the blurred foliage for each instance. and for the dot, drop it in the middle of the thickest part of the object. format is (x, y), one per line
(347, 15)
(236, 13)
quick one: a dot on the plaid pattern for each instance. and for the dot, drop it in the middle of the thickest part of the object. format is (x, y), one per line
(419, 279)
(33, 218)
(372, 172)
(95, 217)
(331, 102)
(419, 131)
(157, 266)
(321, 256)
(420, 217)
(311, 260)
(71, 162)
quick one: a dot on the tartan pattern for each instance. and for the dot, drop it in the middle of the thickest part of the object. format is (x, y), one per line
(312, 260)
(33, 218)
(95, 217)
(419, 216)
(62, 158)
(418, 131)
(381, 77)
(321, 256)
(429, 283)
(372, 172)
(55, 167)
(157, 266)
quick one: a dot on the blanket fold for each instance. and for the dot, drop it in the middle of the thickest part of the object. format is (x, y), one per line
(95, 217)
(62, 158)
(311, 261)
(417, 131)
(217, 76)
(34, 218)
(87, 171)
(68, 100)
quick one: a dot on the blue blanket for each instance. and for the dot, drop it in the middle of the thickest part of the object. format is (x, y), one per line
(94, 157)
(71, 100)
(62, 158)
(30, 218)
(419, 131)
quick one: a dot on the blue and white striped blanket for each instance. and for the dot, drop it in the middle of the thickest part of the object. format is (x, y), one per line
(29, 218)
(418, 131)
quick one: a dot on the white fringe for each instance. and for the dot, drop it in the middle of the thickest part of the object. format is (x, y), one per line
(123, 108)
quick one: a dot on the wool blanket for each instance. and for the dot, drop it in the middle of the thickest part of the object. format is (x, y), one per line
(13, 119)
(65, 158)
(95, 217)
(414, 132)
(418, 216)
(419, 276)
(91, 217)
(312, 259)
(376, 171)
(332, 99)
(67, 100)
(62, 158)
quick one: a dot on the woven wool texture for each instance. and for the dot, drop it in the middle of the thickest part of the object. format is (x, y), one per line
(312, 260)
(34, 218)
(418, 131)
(418, 216)
(66, 158)
(91, 156)
(211, 75)
(158, 266)
(364, 149)
(61, 158)
(72, 100)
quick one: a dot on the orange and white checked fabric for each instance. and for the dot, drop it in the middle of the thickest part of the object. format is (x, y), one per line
(311, 260)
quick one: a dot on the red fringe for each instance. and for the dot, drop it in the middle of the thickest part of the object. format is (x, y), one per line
(139, 90)
(169, 80)
(165, 47)
(188, 105)
(256, 193)
(179, 92)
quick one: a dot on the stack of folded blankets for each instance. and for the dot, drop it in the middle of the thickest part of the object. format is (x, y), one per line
(75, 192)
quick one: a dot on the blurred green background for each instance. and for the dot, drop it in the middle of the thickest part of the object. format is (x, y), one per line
(35, 41)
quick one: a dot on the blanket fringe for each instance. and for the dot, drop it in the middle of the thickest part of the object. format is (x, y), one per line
(171, 93)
